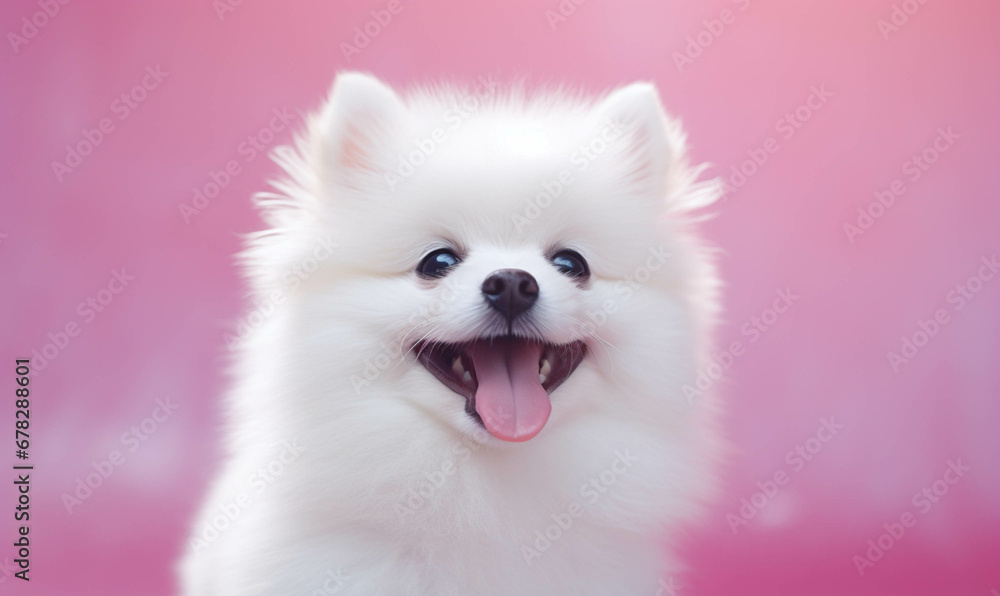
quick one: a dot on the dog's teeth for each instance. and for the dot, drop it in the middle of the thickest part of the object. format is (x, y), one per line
(456, 366)
(467, 378)
(545, 369)
(542, 378)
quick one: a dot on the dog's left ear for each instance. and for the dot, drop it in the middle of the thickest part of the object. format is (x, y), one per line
(654, 148)
(356, 132)
(637, 115)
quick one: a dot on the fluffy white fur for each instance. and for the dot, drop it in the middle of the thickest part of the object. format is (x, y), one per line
(346, 456)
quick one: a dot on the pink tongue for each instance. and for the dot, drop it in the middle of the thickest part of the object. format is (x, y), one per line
(510, 398)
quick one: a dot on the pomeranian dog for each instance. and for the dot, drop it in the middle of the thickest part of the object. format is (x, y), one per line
(478, 371)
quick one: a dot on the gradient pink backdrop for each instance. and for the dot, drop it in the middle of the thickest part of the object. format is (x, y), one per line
(827, 356)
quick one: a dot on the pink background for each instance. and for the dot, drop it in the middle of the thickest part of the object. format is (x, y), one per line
(826, 356)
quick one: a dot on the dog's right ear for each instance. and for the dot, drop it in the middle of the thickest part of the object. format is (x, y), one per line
(355, 132)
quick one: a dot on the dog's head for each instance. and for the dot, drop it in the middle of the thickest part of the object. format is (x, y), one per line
(497, 257)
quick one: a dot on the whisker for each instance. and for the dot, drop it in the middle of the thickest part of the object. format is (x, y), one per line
(420, 342)
(605, 344)
(402, 341)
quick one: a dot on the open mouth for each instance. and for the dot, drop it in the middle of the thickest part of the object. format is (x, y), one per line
(506, 381)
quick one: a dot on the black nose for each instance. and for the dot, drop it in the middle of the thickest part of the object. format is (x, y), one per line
(510, 291)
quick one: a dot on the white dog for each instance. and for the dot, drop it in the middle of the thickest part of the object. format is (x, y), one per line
(477, 371)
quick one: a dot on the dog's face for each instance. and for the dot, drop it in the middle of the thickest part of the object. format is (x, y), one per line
(496, 260)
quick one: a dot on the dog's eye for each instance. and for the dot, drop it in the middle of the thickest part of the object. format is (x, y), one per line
(569, 262)
(437, 263)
